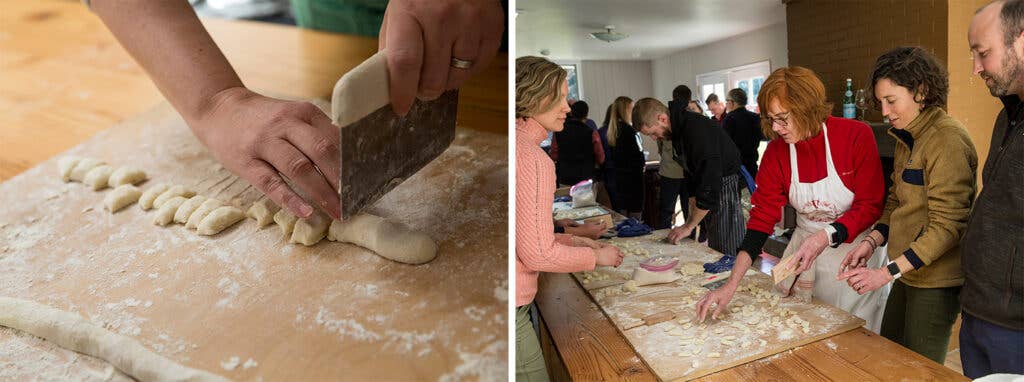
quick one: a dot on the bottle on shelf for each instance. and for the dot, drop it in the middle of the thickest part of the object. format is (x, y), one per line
(849, 109)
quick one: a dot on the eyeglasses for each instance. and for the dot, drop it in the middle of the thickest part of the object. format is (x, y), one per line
(783, 120)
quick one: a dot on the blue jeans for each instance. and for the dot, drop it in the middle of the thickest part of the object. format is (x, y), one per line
(987, 348)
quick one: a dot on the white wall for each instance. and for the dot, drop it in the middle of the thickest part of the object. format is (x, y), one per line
(682, 68)
(603, 81)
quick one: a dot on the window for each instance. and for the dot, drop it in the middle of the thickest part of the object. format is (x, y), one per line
(574, 84)
(747, 77)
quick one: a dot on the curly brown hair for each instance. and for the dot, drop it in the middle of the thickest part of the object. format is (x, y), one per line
(913, 68)
(538, 85)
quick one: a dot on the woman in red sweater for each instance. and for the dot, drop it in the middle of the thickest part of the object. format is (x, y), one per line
(541, 87)
(826, 168)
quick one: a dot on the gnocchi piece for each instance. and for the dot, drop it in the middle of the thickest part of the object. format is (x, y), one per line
(221, 218)
(172, 193)
(204, 209)
(65, 165)
(286, 221)
(165, 214)
(311, 230)
(148, 196)
(97, 177)
(186, 209)
(83, 167)
(126, 175)
(121, 197)
(263, 212)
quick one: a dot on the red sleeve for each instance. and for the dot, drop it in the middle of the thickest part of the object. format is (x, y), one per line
(598, 149)
(772, 192)
(868, 183)
(553, 151)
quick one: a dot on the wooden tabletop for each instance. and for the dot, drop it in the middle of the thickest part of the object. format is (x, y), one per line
(590, 348)
(63, 76)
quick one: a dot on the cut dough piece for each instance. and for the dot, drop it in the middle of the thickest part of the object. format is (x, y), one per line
(97, 177)
(219, 219)
(310, 231)
(146, 200)
(171, 193)
(65, 165)
(70, 331)
(645, 277)
(285, 220)
(186, 209)
(126, 175)
(82, 167)
(630, 286)
(121, 197)
(165, 214)
(263, 211)
(204, 209)
(388, 239)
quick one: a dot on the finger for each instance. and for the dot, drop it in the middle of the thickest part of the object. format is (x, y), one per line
(291, 162)
(491, 39)
(319, 143)
(718, 311)
(265, 178)
(437, 59)
(701, 309)
(466, 47)
(405, 58)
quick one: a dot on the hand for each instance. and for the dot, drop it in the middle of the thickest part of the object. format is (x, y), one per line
(679, 233)
(260, 139)
(592, 230)
(715, 302)
(856, 258)
(808, 251)
(422, 37)
(864, 280)
(608, 255)
(579, 241)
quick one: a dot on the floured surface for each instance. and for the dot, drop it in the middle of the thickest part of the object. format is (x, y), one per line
(324, 312)
(661, 345)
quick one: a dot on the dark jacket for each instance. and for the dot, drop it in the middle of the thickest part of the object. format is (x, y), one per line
(993, 244)
(705, 152)
(575, 152)
(744, 127)
(626, 152)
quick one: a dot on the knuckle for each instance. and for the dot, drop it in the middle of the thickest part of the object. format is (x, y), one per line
(299, 165)
(325, 147)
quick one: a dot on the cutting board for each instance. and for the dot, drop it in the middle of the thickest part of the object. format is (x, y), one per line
(328, 312)
(660, 350)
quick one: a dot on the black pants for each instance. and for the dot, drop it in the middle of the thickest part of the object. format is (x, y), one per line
(630, 190)
(672, 190)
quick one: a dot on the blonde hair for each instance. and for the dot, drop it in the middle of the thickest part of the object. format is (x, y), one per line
(646, 111)
(538, 85)
(618, 112)
(801, 92)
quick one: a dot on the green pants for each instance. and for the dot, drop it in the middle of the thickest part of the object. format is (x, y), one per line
(530, 365)
(921, 319)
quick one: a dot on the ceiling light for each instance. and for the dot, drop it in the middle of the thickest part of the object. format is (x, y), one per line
(609, 35)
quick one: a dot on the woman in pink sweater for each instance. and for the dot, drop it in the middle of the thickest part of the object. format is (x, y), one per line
(541, 87)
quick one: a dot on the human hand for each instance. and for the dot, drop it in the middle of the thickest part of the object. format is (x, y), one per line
(864, 280)
(714, 302)
(679, 233)
(261, 138)
(608, 255)
(424, 36)
(808, 251)
(580, 241)
(856, 258)
(566, 223)
(592, 230)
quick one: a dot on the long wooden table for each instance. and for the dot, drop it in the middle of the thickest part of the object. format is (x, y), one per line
(581, 343)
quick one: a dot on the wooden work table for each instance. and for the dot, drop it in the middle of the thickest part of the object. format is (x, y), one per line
(580, 343)
(63, 76)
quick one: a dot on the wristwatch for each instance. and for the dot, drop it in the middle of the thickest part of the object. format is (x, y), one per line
(831, 231)
(894, 270)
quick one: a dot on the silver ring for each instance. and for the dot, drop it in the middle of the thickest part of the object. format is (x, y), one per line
(461, 64)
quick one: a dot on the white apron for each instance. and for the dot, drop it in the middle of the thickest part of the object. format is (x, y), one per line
(817, 205)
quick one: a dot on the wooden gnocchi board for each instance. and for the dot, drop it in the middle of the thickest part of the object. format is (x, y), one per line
(660, 345)
(328, 312)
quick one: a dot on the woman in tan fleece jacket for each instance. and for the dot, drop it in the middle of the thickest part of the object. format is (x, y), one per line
(927, 208)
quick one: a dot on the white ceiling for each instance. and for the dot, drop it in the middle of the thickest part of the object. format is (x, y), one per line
(656, 28)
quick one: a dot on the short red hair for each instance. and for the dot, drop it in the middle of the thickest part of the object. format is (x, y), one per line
(799, 91)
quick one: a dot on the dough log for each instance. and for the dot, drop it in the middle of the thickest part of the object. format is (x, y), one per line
(393, 241)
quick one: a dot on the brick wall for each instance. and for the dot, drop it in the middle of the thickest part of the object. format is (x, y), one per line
(841, 39)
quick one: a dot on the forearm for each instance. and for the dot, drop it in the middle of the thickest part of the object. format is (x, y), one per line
(739, 268)
(697, 214)
(168, 41)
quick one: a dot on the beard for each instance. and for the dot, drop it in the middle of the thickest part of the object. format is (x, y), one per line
(1003, 84)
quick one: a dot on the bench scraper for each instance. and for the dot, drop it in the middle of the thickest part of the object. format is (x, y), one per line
(380, 149)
